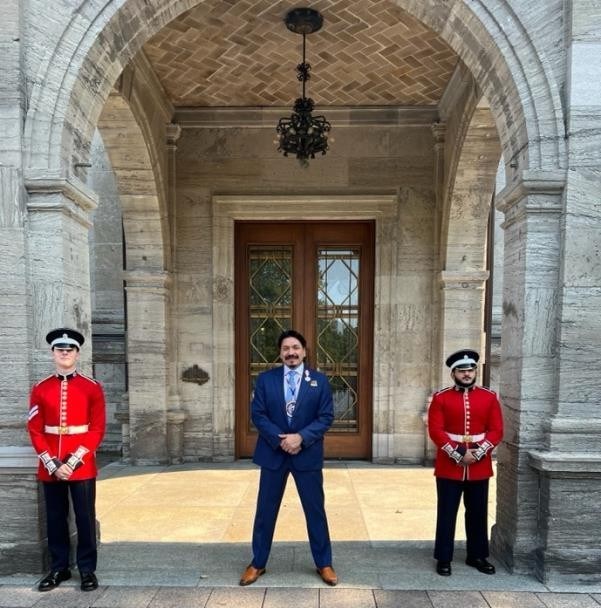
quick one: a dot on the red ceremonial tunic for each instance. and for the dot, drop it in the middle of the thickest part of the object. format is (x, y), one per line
(67, 417)
(474, 418)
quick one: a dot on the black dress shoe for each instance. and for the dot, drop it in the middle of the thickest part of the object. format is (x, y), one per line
(443, 568)
(89, 582)
(481, 564)
(54, 579)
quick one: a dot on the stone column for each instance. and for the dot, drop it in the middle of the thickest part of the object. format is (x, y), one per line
(568, 468)
(14, 381)
(58, 282)
(439, 132)
(15, 378)
(22, 517)
(528, 383)
(147, 309)
(176, 415)
(22, 507)
(59, 261)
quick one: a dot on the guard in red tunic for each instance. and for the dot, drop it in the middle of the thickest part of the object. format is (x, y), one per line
(66, 425)
(465, 422)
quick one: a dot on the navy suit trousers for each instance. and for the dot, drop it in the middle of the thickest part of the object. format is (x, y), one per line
(310, 490)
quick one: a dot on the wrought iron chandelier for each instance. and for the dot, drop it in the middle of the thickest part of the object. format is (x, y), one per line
(303, 134)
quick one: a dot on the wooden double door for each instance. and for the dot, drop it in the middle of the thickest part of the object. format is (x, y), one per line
(317, 278)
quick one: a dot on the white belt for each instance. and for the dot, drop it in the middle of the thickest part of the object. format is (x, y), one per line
(467, 438)
(66, 430)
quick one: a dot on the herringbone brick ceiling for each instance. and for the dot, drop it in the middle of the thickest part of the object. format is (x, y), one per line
(240, 53)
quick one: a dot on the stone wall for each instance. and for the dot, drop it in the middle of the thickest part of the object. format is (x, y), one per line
(396, 160)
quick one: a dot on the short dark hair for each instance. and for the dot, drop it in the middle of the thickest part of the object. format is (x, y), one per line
(291, 333)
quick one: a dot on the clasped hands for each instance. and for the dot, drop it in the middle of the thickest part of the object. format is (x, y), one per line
(63, 472)
(291, 442)
(468, 457)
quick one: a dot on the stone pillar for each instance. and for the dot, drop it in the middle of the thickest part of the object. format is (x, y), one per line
(147, 309)
(528, 383)
(568, 468)
(176, 415)
(22, 517)
(59, 262)
(55, 269)
(15, 380)
(439, 131)
(15, 377)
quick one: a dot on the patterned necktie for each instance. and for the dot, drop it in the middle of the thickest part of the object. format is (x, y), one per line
(290, 394)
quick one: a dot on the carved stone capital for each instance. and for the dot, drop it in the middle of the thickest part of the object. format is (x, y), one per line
(57, 193)
(536, 192)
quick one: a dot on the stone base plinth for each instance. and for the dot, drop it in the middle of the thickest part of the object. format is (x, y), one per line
(568, 510)
(22, 518)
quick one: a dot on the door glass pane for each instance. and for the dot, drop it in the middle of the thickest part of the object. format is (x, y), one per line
(337, 326)
(270, 304)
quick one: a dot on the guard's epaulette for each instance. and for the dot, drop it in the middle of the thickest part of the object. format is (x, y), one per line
(87, 377)
(484, 388)
(443, 390)
(44, 379)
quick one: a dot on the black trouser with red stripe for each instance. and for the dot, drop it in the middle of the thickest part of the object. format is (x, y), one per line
(475, 500)
(83, 498)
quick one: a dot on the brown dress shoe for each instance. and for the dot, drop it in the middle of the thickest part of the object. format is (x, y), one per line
(328, 576)
(250, 575)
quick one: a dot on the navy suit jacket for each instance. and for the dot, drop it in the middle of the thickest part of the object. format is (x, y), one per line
(313, 416)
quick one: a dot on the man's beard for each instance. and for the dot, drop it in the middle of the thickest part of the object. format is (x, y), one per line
(462, 384)
(292, 362)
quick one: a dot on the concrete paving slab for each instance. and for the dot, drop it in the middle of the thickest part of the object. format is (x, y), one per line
(457, 599)
(125, 597)
(406, 599)
(567, 600)
(177, 597)
(287, 596)
(18, 596)
(507, 599)
(68, 596)
(239, 597)
(342, 598)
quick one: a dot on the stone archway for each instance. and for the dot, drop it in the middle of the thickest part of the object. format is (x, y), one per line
(472, 158)
(140, 141)
(524, 99)
(98, 44)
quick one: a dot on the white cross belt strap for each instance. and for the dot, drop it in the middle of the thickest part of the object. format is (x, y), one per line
(66, 430)
(466, 438)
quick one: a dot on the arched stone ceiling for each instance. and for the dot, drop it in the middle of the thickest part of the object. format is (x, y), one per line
(240, 53)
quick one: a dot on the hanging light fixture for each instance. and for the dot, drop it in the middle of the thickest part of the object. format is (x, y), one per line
(303, 134)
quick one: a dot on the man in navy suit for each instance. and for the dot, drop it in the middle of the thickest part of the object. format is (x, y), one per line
(292, 409)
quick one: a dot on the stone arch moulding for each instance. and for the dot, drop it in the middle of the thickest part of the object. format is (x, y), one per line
(134, 131)
(138, 158)
(466, 208)
(523, 94)
(100, 40)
